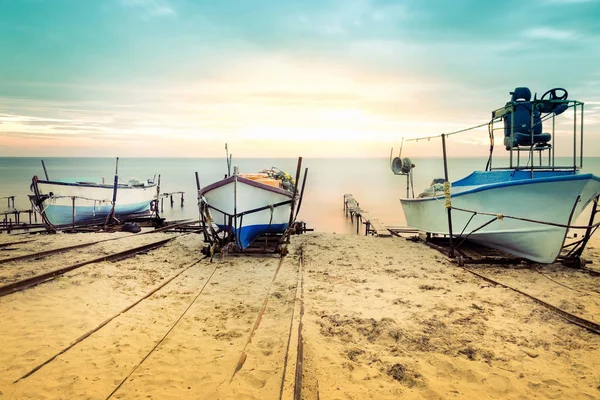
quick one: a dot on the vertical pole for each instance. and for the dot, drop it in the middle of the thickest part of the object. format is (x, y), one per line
(181, 199)
(114, 198)
(158, 196)
(45, 172)
(228, 160)
(292, 208)
(531, 124)
(301, 193)
(449, 210)
(554, 136)
(512, 133)
(73, 212)
(581, 135)
(235, 210)
(574, 138)
(201, 218)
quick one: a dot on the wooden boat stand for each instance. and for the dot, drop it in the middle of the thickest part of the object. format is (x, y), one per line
(224, 240)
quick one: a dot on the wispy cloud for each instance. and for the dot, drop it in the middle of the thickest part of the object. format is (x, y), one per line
(566, 2)
(550, 33)
(151, 8)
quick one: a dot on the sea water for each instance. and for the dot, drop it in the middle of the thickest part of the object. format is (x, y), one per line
(369, 180)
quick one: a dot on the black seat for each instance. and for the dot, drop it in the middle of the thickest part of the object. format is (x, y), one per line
(521, 120)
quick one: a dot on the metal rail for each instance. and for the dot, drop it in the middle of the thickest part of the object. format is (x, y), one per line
(79, 246)
(2, 245)
(48, 276)
(298, 302)
(572, 318)
(106, 321)
(300, 350)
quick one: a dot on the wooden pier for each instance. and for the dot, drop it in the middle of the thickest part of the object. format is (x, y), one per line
(373, 226)
(11, 217)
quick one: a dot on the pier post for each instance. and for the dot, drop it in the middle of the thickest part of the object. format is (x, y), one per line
(181, 199)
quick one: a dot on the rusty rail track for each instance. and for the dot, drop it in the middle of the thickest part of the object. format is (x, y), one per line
(300, 350)
(108, 320)
(48, 276)
(45, 253)
(8, 244)
(572, 318)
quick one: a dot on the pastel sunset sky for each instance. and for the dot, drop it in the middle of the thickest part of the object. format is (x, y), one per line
(279, 78)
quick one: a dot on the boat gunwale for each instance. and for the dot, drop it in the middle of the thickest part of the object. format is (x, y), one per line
(97, 185)
(498, 185)
(246, 181)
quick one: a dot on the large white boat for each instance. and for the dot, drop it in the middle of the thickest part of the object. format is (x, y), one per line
(246, 206)
(524, 210)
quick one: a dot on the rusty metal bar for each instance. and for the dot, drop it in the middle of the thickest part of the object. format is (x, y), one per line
(48, 276)
(574, 319)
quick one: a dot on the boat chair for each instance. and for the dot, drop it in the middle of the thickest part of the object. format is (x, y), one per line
(520, 119)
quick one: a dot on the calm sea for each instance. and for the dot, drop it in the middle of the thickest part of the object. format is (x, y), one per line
(370, 180)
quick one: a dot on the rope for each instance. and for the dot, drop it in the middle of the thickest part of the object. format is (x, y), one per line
(243, 356)
(542, 119)
(164, 337)
(447, 134)
(502, 216)
(448, 203)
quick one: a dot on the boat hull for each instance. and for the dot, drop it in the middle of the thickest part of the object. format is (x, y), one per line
(243, 206)
(92, 202)
(552, 198)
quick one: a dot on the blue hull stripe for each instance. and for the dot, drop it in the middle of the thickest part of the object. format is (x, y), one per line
(247, 234)
(512, 183)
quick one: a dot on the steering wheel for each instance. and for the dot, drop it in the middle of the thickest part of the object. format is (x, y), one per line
(552, 94)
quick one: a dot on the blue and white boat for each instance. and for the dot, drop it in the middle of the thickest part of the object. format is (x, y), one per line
(249, 205)
(524, 210)
(77, 201)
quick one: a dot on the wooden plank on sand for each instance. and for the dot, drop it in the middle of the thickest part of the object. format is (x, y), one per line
(378, 227)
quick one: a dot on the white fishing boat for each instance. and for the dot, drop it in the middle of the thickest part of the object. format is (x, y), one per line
(248, 205)
(524, 210)
(78, 201)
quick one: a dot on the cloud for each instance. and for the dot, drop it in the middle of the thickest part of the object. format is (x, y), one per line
(550, 33)
(151, 8)
(565, 2)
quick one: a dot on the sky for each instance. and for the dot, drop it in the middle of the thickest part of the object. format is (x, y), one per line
(279, 78)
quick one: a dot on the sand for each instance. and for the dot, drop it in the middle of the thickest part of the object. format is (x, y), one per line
(382, 318)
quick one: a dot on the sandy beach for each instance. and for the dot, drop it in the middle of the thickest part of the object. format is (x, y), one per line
(380, 318)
